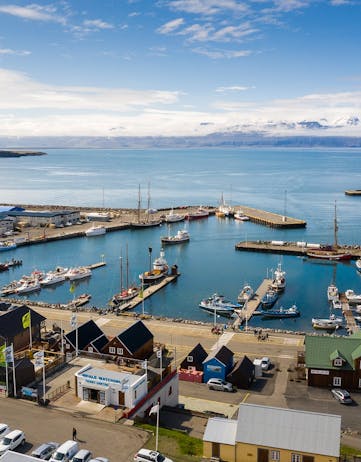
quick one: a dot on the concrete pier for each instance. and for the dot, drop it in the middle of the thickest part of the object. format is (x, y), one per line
(273, 220)
(351, 324)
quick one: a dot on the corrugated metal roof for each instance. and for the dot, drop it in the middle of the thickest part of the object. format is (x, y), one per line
(11, 456)
(289, 429)
(42, 214)
(220, 430)
(319, 350)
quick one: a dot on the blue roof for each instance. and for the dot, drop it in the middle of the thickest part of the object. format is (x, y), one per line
(41, 214)
(9, 208)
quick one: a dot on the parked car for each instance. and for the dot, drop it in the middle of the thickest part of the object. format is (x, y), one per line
(265, 363)
(4, 430)
(45, 450)
(65, 452)
(219, 384)
(99, 459)
(11, 441)
(82, 456)
(343, 396)
(146, 455)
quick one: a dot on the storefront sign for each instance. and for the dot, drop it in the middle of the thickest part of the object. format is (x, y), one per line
(319, 372)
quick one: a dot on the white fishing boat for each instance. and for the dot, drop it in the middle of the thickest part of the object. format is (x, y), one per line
(173, 217)
(279, 279)
(54, 277)
(80, 272)
(240, 216)
(200, 213)
(224, 210)
(159, 270)
(332, 292)
(181, 237)
(247, 293)
(218, 305)
(95, 230)
(31, 285)
(331, 323)
(336, 304)
(352, 297)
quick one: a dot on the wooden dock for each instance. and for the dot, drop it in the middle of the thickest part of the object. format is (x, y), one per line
(147, 292)
(351, 324)
(245, 314)
(96, 265)
(273, 220)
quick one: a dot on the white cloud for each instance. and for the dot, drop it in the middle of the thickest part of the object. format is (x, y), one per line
(33, 12)
(208, 7)
(222, 54)
(8, 51)
(97, 24)
(232, 88)
(170, 26)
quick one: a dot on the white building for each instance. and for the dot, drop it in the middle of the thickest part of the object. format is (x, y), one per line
(110, 387)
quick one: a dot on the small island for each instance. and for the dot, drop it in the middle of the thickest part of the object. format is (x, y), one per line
(11, 153)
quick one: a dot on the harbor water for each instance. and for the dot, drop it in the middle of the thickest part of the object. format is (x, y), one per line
(299, 183)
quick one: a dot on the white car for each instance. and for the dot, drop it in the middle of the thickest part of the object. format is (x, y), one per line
(11, 441)
(146, 455)
(82, 456)
(220, 385)
(99, 459)
(265, 363)
(4, 430)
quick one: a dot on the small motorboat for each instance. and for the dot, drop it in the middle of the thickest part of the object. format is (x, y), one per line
(247, 293)
(198, 214)
(240, 216)
(292, 312)
(332, 292)
(269, 299)
(358, 265)
(80, 272)
(95, 230)
(173, 217)
(331, 323)
(81, 300)
(159, 270)
(29, 286)
(219, 305)
(352, 297)
(279, 281)
(336, 304)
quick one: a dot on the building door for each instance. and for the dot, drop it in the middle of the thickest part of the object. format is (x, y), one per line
(93, 395)
(121, 398)
(308, 459)
(262, 455)
(215, 450)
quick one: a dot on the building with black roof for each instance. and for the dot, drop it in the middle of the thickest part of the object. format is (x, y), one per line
(90, 338)
(194, 359)
(135, 342)
(12, 330)
(242, 375)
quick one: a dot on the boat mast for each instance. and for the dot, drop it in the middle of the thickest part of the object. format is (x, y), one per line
(148, 205)
(121, 272)
(127, 268)
(335, 229)
(139, 200)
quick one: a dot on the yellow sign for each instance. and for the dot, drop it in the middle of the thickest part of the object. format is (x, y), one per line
(72, 288)
(26, 320)
(2, 354)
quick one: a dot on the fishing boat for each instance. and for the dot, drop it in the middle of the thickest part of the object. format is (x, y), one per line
(7, 245)
(279, 313)
(200, 213)
(358, 265)
(158, 271)
(352, 297)
(240, 216)
(172, 217)
(95, 230)
(269, 299)
(224, 210)
(31, 285)
(332, 292)
(336, 304)
(129, 291)
(13, 262)
(181, 237)
(331, 323)
(333, 252)
(80, 272)
(144, 222)
(247, 293)
(279, 280)
(81, 300)
(218, 305)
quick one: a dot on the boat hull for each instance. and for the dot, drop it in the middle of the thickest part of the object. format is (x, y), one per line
(330, 256)
(228, 313)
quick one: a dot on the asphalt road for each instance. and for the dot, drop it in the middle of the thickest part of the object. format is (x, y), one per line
(117, 442)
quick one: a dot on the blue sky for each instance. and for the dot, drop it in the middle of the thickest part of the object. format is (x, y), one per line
(180, 67)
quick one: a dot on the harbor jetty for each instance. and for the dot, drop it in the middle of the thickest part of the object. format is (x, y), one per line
(246, 313)
(273, 220)
(353, 192)
(291, 248)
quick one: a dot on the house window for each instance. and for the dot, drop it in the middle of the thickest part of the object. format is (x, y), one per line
(190, 359)
(67, 346)
(296, 458)
(112, 350)
(359, 383)
(336, 381)
(275, 455)
(90, 349)
(119, 351)
(360, 364)
(337, 362)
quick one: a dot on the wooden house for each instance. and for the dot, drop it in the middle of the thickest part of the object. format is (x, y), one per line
(194, 360)
(135, 342)
(218, 364)
(267, 434)
(333, 361)
(90, 339)
(242, 375)
(15, 325)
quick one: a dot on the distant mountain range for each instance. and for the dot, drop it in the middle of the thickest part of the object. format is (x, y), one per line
(230, 139)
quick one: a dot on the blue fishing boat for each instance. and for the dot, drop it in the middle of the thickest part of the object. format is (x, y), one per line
(269, 299)
(219, 305)
(281, 312)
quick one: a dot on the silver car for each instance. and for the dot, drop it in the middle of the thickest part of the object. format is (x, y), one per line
(45, 450)
(219, 384)
(343, 396)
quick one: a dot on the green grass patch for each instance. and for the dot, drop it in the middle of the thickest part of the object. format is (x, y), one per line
(348, 451)
(179, 446)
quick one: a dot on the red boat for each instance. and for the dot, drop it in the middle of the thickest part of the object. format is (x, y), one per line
(198, 214)
(329, 255)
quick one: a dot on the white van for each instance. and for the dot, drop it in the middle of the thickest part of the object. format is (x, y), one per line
(65, 452)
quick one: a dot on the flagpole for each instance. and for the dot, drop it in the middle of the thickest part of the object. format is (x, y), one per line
(156, 431)
(14, 378)
(76, 337)
(6, 375)
(142, 289)
(61, 337)
(44, 387)
(30, 333)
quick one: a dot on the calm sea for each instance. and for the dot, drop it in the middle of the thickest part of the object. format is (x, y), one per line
(301, 183)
